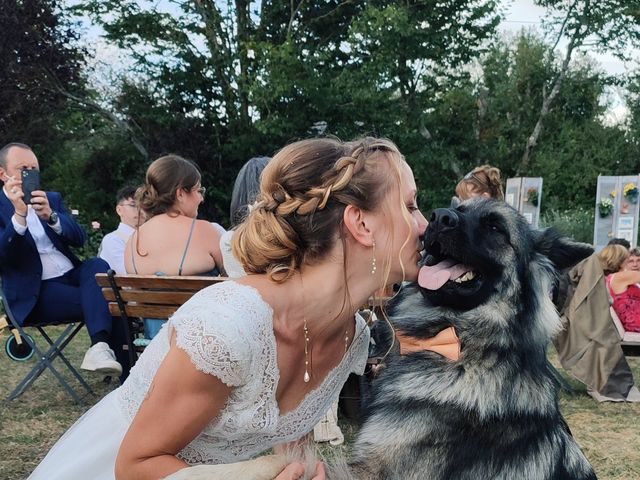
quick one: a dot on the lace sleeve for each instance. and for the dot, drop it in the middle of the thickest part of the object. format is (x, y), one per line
(214, 337)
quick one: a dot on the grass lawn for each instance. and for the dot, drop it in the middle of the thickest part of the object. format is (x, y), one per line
(609, 433)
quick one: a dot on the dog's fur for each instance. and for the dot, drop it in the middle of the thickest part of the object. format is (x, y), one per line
(493, 413)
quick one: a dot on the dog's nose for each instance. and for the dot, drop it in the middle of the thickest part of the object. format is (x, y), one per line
(443, 219)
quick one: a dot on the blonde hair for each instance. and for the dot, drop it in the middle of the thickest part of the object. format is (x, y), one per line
(480, 180)
(612, 257)
(303, 193)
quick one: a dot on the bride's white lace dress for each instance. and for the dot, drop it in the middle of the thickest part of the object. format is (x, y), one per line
(227, 331)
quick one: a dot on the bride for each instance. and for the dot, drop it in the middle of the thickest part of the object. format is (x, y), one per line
(254, 363)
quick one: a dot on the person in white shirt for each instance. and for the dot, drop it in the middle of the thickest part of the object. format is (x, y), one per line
(112, 246)
(42, 279)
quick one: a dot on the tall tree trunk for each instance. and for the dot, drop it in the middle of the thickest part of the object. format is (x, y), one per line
(547, 100)
(242, 42)
(218, 49)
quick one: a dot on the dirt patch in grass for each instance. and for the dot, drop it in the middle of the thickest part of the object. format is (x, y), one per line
(609, 433)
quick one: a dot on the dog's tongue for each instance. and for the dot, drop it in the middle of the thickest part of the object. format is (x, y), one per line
(435, 276)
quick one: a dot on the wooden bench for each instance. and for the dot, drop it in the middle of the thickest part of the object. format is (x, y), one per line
(630, 339)
(134, 297)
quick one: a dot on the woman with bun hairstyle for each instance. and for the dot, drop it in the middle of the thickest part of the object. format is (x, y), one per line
(482, 181)
(173, 241)
(253, 363)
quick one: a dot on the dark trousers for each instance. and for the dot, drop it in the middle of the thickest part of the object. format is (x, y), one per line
(75, 295)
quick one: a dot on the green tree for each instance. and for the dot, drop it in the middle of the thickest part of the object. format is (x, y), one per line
(220, 82)
(611, 26)
(38, 50)
(486, 120)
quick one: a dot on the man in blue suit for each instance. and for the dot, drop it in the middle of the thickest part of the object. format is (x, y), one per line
(42, 279)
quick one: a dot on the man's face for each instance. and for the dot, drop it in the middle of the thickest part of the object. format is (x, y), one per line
(128, 212)
(17, 160)
(633, 263)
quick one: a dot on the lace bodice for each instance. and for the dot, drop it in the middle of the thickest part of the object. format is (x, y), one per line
(227, 331)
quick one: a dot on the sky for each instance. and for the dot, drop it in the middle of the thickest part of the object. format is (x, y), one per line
(524, 13)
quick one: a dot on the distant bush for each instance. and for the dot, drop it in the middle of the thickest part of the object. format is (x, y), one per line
(576, 223)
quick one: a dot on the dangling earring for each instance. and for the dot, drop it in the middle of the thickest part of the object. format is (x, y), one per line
(307, 377)
(373, 261)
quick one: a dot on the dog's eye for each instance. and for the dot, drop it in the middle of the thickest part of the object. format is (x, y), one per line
(495, 227)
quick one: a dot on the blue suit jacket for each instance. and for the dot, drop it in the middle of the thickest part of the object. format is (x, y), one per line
(20, 264)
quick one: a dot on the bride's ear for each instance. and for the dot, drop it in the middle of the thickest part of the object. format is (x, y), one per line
(358, 223)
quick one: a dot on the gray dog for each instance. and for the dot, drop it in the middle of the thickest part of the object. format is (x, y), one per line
(490, 412)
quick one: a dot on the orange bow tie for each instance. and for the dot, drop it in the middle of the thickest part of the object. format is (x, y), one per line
(446, 343)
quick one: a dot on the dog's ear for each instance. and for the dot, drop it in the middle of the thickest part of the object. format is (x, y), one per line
(561, 250)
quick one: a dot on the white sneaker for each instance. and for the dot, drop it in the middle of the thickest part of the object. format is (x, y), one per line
(100, 358)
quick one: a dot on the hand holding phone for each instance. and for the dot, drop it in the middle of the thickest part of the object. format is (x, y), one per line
(30, 182)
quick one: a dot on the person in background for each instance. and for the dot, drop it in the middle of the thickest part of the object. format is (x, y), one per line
(112, 246)
(620, 241)
(173, 241)
(633, 262)
(482, 181)
(245, 190)
(622, 285)
(42, 279)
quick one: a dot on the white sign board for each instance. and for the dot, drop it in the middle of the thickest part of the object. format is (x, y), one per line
(617, 209)
(525, 194)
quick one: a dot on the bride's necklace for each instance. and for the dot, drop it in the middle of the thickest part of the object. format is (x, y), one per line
(305, 329)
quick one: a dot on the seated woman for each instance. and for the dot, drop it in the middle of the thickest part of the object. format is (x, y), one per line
(623, 285)
(482, 181)
(173, 241)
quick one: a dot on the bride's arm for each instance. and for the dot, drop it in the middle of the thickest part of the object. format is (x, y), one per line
(180, 403)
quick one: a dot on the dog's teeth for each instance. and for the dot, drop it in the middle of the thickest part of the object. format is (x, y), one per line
(466, 277)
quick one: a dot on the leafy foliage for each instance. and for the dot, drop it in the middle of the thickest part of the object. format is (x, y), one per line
(219, 82)
(38, 53)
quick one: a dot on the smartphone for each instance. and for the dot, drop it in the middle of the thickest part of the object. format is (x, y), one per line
(30, 182)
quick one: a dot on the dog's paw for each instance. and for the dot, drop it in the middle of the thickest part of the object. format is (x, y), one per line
(261, 468)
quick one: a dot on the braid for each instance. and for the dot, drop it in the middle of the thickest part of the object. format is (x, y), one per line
(317, 197)
(303, 193)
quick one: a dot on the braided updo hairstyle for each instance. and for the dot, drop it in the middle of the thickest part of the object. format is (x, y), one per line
(304, 191)
(480, 180)
(165, 176)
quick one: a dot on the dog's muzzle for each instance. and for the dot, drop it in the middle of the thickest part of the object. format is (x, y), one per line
(443, 219)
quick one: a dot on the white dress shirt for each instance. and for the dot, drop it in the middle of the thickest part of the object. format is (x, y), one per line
(112, 247)
(54, 262)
